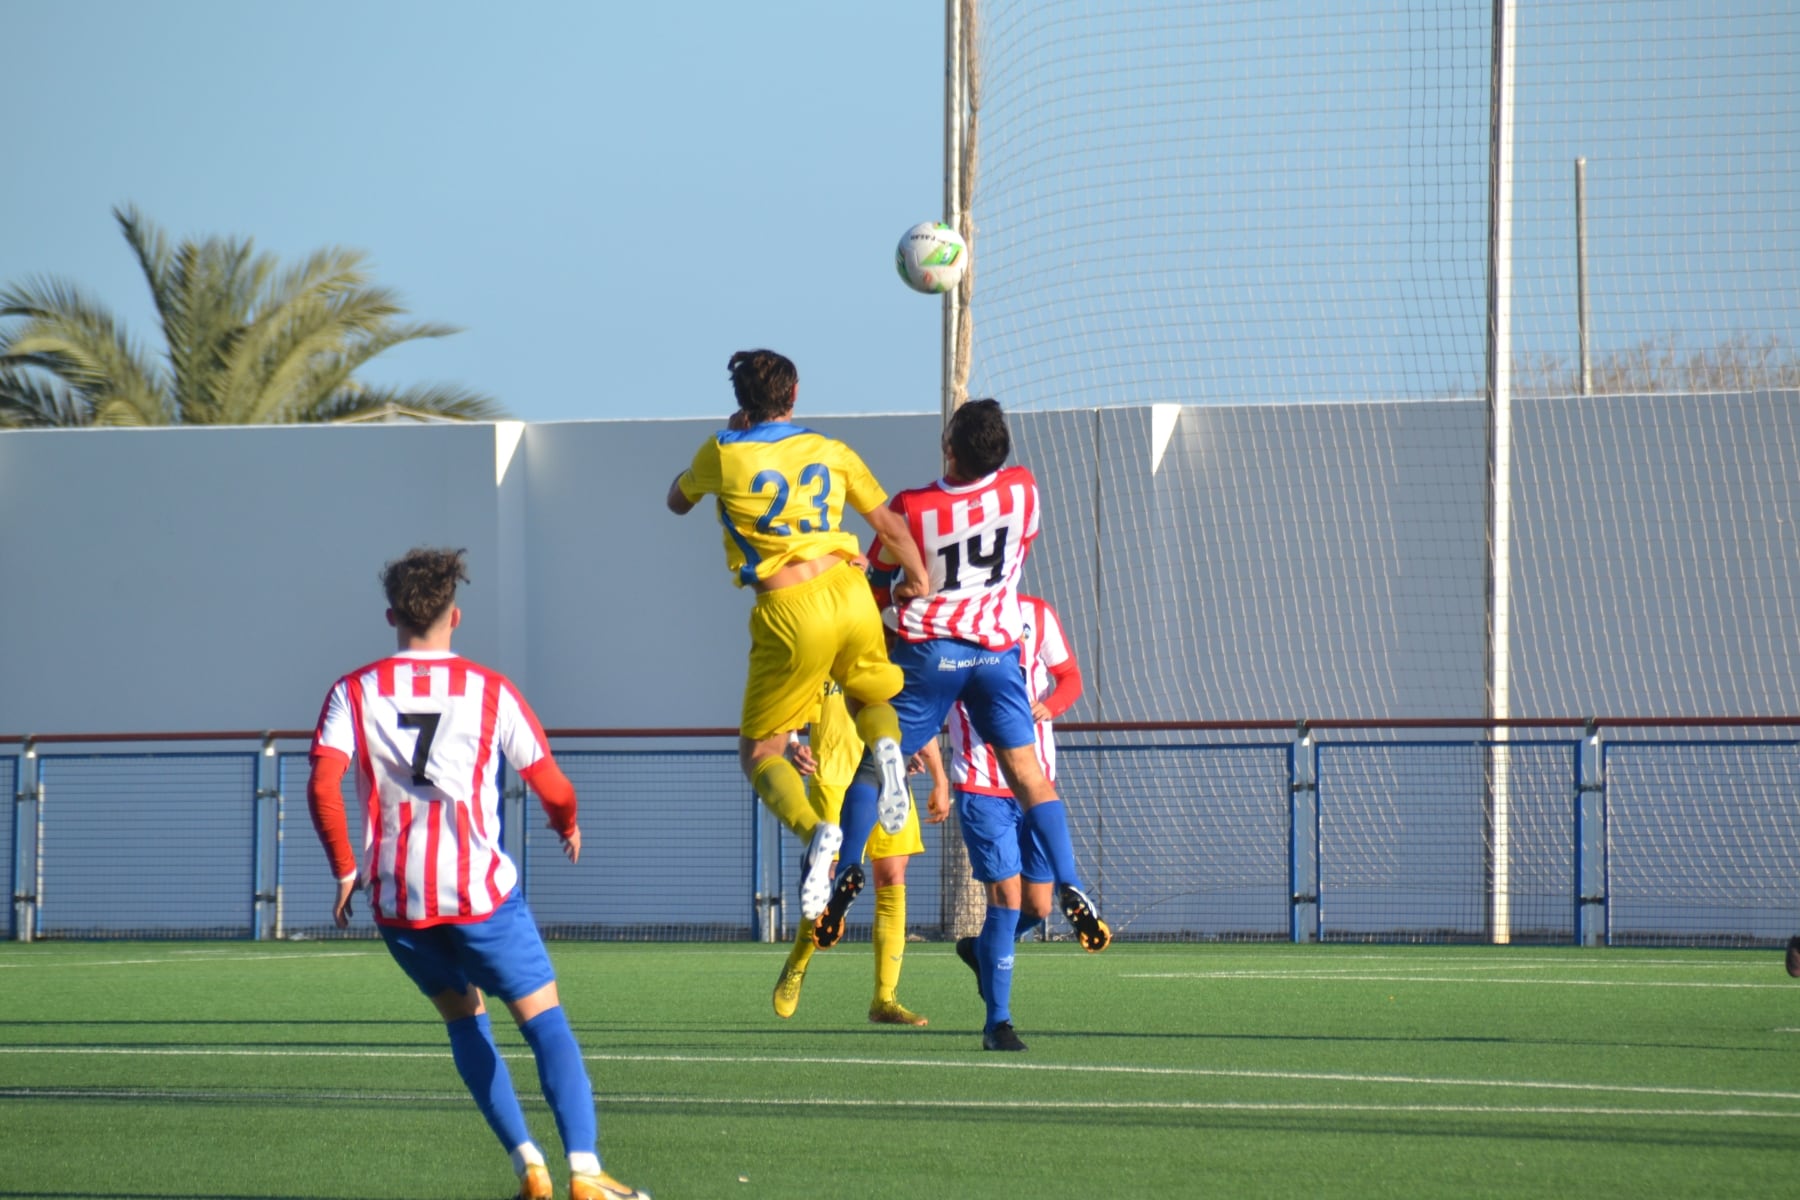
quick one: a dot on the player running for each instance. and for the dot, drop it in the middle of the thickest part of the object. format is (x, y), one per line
(974, 528)
(828, 760)
(425, 731)
(781, 493)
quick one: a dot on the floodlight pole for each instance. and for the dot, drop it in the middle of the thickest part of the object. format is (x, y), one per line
(1499, 396)
(954, 69)
(1581, 282)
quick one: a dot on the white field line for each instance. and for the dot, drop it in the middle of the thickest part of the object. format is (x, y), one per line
(1311, 976)
(1528, 1110)
(1040, 957)
(185, 962)
(933, 1064)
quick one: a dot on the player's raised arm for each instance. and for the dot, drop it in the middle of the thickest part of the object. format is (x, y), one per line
(898, 542)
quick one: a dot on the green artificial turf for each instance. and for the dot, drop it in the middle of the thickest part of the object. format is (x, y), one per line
(312, 1071)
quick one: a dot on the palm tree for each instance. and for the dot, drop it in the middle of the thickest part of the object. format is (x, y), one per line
(246, 343)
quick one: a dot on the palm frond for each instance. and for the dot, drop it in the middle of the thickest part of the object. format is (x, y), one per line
(246, 341)
(78, 340)
(215, 286)
(35, 400)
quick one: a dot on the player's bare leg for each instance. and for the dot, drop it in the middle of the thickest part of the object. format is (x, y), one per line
(1045, 816)
(1035, 902)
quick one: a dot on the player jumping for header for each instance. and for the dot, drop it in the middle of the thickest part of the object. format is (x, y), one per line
(974, 528)
(781, 491)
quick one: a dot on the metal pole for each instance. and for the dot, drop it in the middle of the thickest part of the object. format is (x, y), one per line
(1581, 288)
(27, 865)
(953, 145)
(1499, 389)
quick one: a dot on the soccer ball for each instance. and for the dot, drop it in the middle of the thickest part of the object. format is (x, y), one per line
(931, 257)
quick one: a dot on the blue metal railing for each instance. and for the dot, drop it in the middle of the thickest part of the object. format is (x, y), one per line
(1362, 834)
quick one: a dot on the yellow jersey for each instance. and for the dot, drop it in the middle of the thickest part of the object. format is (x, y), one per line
(782, 490)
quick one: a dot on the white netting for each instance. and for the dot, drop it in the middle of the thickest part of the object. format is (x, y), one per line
(1255, 237)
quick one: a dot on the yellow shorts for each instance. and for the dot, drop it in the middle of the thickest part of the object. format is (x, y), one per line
(828, 802)
(827, 627)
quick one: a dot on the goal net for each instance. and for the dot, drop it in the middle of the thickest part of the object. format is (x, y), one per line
(1231, 271)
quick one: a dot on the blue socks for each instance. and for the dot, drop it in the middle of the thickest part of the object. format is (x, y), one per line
(1050, 822)
(994, 954)
(484, 1072)
(564, 1079)
(857, 815)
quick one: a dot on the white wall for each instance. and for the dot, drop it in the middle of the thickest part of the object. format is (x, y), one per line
(1257, 561)
(634, 620)
(220, 579)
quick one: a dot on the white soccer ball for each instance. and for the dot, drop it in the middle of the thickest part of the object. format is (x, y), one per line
(931, 257)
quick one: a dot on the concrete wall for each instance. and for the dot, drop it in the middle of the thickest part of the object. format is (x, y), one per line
(220, 579)
(1210, 562)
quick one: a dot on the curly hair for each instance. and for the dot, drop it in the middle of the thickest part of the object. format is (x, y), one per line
(764, 383)
(421, 585)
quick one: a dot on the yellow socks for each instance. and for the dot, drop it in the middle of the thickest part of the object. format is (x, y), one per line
(784, 792)
(802, 951)
(889, 938)
(877, 721)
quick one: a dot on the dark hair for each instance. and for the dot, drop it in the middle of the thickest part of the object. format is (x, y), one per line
(421, 585)
(764, 383)
(978, 438)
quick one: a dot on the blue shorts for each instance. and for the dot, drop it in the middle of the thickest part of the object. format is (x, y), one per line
(999, 844)
(504, 955)
(990, 684)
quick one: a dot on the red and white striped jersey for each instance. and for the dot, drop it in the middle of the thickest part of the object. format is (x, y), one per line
(1041, 647)
(974, 538)
(424, 732)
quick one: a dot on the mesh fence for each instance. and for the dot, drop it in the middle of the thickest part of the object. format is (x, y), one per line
(1704, 842)
(1405, 845)
(666, 848)
(1183, 840)
(9, 863)
(308, 890)
(150, 845)
(1689, 841)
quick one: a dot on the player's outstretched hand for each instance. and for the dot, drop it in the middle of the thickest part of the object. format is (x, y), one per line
(342, 910)
(571, 843)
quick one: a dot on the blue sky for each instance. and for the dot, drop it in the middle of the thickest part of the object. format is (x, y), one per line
(1225, 202)
(609, 199)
